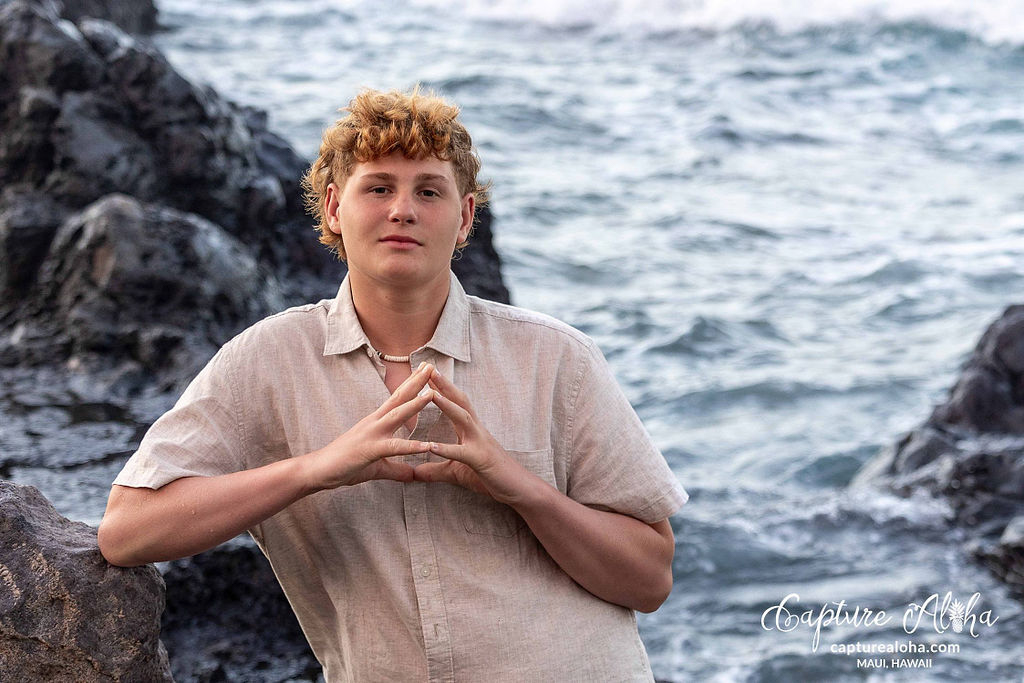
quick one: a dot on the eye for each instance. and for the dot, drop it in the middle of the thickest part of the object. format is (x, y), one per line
(378, 189)
(430, 193)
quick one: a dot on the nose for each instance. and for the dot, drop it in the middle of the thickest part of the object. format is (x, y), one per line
(403, 209)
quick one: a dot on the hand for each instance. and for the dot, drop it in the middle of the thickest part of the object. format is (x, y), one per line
(359, 454)
(477, 462)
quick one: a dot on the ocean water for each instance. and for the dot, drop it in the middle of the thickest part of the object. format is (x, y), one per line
(785, 223)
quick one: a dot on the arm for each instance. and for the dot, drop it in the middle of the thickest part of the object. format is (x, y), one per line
(614, 556)
(193, 514)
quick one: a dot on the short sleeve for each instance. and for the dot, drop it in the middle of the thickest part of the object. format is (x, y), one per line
(613, 463)
(200, 436)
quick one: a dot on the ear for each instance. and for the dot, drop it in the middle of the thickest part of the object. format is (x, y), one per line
(332, 208)
(468, 208)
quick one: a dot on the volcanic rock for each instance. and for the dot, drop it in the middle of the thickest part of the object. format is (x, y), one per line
(1006, 557)
(478, 266)
(87, 110)
(227, 619)
(144, 220)
(136, 16)
(65, 614)
(111, 291)
(970, 451)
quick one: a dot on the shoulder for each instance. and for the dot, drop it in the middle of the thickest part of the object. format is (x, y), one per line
(523, 325)
(296, 327)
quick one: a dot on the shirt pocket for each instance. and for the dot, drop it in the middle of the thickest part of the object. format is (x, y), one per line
(481, 514)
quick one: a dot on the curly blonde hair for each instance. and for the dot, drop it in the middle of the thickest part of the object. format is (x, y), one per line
(378, 124)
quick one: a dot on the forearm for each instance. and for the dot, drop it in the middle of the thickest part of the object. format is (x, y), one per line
(616, 557)
(193, 514)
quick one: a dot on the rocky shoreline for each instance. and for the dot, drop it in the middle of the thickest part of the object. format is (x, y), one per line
(970, 452)
(144, 221)
(65, 614)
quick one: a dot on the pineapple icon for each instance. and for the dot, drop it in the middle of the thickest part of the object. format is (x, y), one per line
(956, 616)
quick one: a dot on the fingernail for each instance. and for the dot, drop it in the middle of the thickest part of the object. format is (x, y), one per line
(421, 366)
(424, 391)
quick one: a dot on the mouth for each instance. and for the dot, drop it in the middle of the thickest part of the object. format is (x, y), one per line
(400, 239)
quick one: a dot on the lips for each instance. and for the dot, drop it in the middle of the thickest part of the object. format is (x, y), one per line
(404, 239)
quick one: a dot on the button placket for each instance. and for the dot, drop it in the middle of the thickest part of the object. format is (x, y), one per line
(427, 582)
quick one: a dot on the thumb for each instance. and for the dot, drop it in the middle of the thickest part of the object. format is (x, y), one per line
(451, 472)
(388, 469)
(436, 471)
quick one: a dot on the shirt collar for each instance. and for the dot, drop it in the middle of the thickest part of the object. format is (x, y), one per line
(451, 337)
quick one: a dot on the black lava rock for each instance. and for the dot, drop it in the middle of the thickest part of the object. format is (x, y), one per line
(65, 614)
(970, 451)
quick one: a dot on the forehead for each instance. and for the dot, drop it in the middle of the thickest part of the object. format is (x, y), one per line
(401, 167)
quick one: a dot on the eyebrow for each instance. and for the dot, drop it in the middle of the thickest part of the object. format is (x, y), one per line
(420, 177)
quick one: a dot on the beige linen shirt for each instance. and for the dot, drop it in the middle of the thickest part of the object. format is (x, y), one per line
(427, 581)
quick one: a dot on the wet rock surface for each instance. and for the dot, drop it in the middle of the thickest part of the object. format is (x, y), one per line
(226, 619)
(144, 221)
(478, 266)
(88, 111)
(65, 614)
(136, 16)
(970, 451)
(110, 295)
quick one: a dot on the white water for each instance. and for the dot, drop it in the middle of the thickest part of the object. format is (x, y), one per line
(785, 223)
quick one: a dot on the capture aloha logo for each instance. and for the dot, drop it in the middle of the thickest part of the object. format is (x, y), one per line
(940, 614)
(948, 613)
(956, 616)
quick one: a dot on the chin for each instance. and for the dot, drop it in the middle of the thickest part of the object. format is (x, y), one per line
(411, 275)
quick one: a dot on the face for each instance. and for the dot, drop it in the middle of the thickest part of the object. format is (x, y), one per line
(400, 219)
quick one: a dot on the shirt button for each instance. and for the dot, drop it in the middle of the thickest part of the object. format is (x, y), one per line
(425, 571)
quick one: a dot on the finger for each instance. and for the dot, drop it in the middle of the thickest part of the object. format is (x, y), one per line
(446, 387)
(449, 472)
(436, 471)
(414, 382)
(396, 417)
(387, 469)
(395, 446)
(452, 451)
(407, 391)
(467, 459)
(412, 385)
(459, 416)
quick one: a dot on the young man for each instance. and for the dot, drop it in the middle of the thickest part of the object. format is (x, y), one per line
(447, 488)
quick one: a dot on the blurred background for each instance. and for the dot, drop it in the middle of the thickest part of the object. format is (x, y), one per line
(786, 224)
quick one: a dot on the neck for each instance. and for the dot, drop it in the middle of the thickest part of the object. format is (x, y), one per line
(398, 320)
